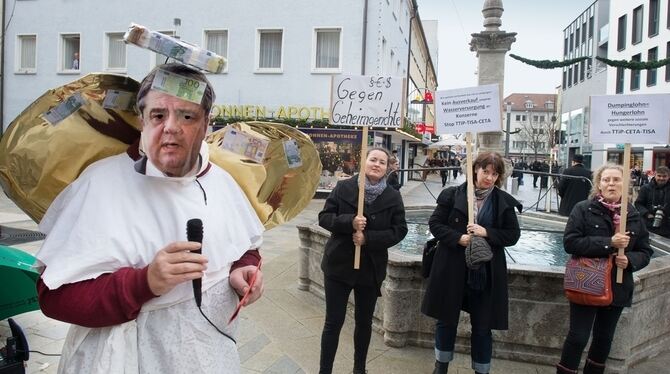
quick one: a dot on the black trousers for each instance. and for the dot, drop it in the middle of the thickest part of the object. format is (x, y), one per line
(337, 296)
(583, 318)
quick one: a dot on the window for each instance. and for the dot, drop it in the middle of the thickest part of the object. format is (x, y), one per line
(591, 27)
(157, 58)
(577, 38)
(116, 52)
(269, 51)
(565, 46)
(589, 66)
(652, 55)
(326, 56)
(619, 79)
(528, 104)
(217, 42)
(26, 55)
(635, 74)
(518, 117)
(536, 118)
(570, 76)
(584, 32)
(621, 36)
(654, 10)
(581, 71)
(637, 25)
(69, 54)
(572, 41)
(575, 77)
(565, 76)
(549, 105)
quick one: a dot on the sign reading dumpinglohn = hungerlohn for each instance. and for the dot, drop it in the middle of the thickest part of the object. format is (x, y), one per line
(642, 119)
(367, 101)
(472, 109)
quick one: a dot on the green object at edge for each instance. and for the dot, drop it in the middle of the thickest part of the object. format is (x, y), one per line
(17, 282)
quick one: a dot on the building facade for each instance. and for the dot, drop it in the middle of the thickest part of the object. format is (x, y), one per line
(586, 36)
(530, 126)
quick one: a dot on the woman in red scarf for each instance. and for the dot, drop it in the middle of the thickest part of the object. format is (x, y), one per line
(593, 231)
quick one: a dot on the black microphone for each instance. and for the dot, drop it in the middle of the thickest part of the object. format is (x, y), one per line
(194, 234)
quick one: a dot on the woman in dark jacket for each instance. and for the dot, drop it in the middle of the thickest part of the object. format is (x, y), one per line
(452, 286)
(381, 226)
(593, 231)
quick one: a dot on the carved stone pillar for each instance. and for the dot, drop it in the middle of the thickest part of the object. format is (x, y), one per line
(491, 45)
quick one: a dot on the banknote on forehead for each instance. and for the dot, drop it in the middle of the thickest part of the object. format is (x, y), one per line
(185, 88)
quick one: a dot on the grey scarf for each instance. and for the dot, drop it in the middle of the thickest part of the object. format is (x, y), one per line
(373, 190)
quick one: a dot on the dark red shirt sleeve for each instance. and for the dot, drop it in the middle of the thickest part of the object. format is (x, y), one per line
(107, 300)
(250, 257)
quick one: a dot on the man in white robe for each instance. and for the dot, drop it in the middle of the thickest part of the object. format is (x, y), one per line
(117, 263)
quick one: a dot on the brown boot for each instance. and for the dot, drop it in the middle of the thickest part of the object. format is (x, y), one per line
(560, 369)
(593, 367)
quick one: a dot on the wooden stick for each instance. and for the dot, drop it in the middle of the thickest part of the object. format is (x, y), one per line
(468, 177)
(361, 191)
(624, 204)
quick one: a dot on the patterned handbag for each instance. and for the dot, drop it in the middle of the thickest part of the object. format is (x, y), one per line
(588, 281)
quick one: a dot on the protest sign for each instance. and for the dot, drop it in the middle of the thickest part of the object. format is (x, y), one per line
(367, 101)
(630, 118)
(472, 109)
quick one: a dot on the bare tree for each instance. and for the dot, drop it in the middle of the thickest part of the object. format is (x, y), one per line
(535, 136)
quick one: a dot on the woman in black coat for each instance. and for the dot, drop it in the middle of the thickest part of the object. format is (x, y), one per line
(381, 226)
(453, 287)
(593, 231)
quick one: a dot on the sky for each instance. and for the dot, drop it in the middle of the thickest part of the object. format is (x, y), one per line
(539, 26)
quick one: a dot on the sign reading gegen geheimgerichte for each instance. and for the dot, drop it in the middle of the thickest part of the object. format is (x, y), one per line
(643, 119)
(367, 101)
(472, 109)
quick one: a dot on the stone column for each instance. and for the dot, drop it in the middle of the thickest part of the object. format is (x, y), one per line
(491, 45)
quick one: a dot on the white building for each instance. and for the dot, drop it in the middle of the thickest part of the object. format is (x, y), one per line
(530, 120)
(281, 55)
(639, 31)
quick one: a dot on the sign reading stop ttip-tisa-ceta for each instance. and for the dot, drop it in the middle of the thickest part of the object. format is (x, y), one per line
(472, 109)
(367, 101)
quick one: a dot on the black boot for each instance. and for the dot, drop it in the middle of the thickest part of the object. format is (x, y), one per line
(593, 367)
(360, 371)
(560, 369)
(441, 367)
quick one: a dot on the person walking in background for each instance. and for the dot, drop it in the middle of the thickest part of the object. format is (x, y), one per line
(480, 290)
(593, 231)
(535, 166)
(544, 167)
(574, 190)
(455, 162)
(519, 166)
(444, 174)
(653, 202)
(382, 226)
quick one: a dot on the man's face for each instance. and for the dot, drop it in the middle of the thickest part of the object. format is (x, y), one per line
(661, 179)
(173, 130)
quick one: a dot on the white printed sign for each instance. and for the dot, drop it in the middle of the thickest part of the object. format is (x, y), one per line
(367, 101)
(630, 119)
(472, 109)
